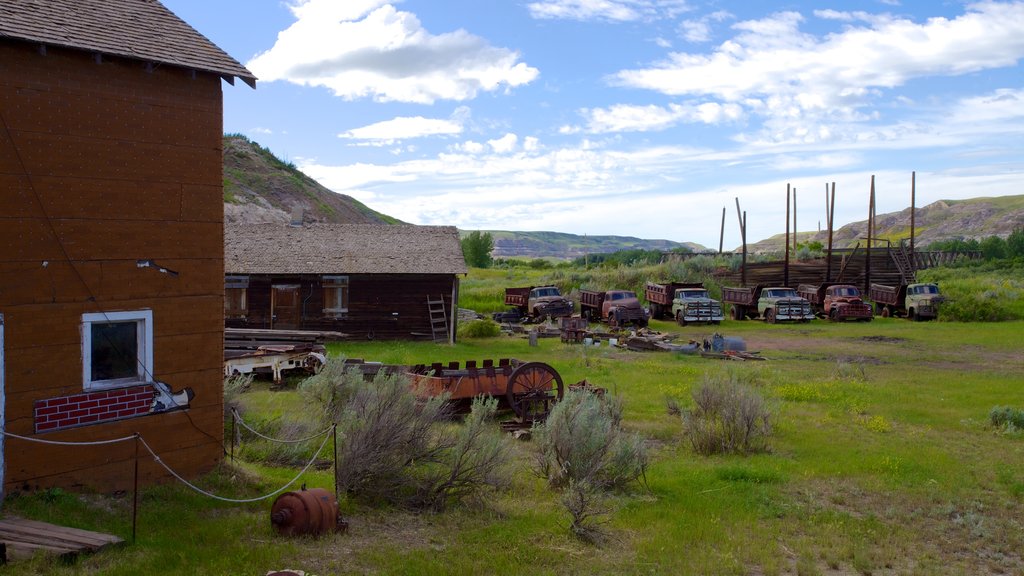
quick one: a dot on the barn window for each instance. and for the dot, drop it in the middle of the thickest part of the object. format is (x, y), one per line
(236, 302)
(117, 349)
(335, 295)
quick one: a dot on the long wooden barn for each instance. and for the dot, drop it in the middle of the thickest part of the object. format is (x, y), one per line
(111, 242)
(367, 280)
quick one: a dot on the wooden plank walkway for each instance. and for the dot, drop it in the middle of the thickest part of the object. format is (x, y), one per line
(22, 538)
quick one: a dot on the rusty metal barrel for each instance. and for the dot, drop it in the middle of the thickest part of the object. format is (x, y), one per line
(313, 512)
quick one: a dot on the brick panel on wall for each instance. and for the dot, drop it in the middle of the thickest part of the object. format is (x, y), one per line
(92, 408)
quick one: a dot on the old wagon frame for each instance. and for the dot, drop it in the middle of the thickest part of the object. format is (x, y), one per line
(529, 389)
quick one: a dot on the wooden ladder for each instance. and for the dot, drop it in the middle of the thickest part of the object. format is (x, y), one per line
(438, 320)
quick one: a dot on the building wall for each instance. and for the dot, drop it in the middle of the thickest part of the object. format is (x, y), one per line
(104, 164)
(381, 306)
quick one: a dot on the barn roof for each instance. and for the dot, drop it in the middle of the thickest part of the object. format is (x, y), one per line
(342, 249)
(138, 29)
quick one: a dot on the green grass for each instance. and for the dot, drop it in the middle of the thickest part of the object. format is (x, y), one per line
(882, 461)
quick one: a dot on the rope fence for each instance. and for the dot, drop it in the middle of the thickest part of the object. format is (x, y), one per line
(328, 434)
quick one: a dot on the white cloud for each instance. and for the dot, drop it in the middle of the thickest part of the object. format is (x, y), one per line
(505, 144)
(388, 132)
(368, 48)
(262, 131)
(607, 10)
(633, 118)
(699, 30)
(771, 67)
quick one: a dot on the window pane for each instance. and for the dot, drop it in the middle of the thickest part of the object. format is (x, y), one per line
(115, 350)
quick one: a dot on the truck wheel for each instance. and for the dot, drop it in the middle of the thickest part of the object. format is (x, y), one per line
(736, 314)
(679, 318)
(885, 312)
(913, 315)
(769, 316)
(833, 315)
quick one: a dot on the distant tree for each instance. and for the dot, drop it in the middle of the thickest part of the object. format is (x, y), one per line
(1015, 244)
(476, 248)
(993, 248)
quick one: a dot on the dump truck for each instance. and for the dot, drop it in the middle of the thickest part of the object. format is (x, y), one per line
(685, 301)
(915, 301)
(616, 307)
(535, 303)
(837, 302)
(772, 303)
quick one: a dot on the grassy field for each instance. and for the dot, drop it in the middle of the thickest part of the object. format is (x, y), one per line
(882, 461)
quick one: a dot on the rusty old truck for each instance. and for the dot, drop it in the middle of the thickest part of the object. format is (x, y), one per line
(915, 301)
(535, 303)
(837, 302)
(687, 302)
(616, 307)
(771, 303)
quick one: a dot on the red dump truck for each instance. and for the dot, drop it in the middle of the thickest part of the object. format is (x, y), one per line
(836, 302)
(617, 307)
(685, 301)
(772, 303)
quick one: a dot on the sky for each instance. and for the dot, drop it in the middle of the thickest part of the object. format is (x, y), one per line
(630, 117)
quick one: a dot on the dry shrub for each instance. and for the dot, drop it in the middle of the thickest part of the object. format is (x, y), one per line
(727, 417)
(399, 449)
(584, 452)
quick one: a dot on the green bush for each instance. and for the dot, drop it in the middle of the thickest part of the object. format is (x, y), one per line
(583, 440)
(1007, 418)
(479, 329)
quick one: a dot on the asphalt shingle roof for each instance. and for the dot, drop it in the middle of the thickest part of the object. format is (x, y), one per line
(342, 249)
(138, 29)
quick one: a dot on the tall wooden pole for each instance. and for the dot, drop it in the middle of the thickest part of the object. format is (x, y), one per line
(743, 268)
(830, 208)
(794, 221)
(871, 235)
(721, 235)
(913, 209)
(785, 267)
(742, 217)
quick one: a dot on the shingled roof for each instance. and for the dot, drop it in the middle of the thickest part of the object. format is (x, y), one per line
(138, 29)
(342, 249)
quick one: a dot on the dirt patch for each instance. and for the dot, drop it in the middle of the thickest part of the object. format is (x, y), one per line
(883, 339)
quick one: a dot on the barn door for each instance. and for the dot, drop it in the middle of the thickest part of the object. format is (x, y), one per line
(284, 306)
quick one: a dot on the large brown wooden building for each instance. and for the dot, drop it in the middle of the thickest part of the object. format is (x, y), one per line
(366, 280)
(111, 241)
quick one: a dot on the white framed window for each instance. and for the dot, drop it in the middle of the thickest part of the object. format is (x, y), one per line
(335, 295)
(117, 349)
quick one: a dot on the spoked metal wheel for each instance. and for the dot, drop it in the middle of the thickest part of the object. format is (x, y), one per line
(533, 389)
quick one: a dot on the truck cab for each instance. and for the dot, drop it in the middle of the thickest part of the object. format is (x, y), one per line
(548, 301)
(922, 301)
(696, 305)
(844, 302)
(780, 303)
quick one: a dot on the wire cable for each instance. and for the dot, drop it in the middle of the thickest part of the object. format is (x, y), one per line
(238, 418)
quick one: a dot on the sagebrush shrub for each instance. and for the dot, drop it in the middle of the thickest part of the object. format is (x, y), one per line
(583, 440)
(1007, 418)
(397, 448)
(583, 451)
(727, 417)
